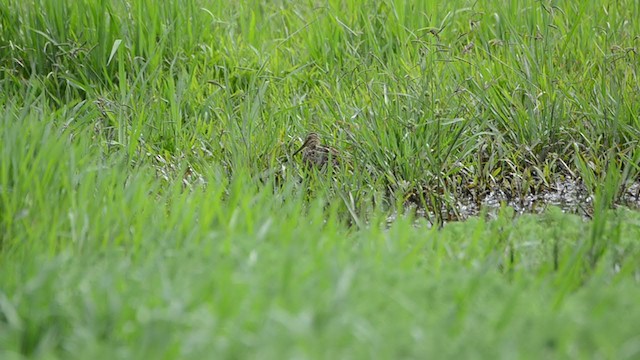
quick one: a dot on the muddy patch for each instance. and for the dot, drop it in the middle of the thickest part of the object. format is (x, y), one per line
(570, 195)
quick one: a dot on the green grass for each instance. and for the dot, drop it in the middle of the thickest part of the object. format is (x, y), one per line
(149, 206)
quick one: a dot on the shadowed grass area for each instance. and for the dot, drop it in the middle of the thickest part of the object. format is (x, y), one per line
(150, 205)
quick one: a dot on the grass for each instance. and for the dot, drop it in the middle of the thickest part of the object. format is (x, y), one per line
(149, 206)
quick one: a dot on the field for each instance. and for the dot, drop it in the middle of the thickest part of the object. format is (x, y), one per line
(151, 205)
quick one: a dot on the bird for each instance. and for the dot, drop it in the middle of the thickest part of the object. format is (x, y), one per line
(317, 155)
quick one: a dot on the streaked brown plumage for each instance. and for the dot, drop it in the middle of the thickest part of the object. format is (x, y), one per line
(317, 155)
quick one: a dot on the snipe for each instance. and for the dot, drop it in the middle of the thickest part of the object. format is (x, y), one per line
(317, 155)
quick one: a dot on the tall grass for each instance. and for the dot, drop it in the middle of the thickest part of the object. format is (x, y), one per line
(150, 206)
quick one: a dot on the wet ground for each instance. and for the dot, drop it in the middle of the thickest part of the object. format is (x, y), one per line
(570, 195)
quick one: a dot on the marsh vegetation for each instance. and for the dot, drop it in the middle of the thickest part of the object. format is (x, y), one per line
(151, 205)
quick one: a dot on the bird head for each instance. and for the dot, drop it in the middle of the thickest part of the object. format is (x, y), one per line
(312, 140)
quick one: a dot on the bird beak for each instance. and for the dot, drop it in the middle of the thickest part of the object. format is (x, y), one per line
(301, 147)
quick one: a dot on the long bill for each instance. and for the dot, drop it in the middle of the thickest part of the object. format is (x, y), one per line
(301, 147)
